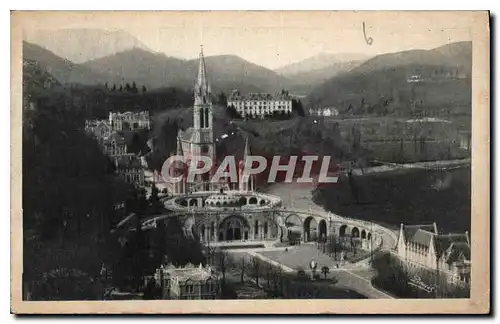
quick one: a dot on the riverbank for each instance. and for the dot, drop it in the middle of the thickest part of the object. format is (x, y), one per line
(410, 195)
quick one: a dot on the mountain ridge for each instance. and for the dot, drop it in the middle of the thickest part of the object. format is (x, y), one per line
(385, 78)
(79, 45)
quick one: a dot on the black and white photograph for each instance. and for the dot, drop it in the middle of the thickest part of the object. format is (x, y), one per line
(266, 156)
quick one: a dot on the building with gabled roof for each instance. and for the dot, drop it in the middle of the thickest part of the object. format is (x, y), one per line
(422, 246)
(129, 167)
(189, 282)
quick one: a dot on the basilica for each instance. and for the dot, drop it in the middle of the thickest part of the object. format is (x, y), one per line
(199, 141)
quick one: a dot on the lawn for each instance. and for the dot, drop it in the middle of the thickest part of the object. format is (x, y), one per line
(299, 257)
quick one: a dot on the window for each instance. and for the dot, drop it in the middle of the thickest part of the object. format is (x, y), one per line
(189, 289)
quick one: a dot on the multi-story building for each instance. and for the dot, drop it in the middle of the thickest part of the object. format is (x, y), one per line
(260, 104)
(422, 247)
(189, 282)
(113, 143)
(129, 120)
(324, 112)
(100, 129)
(129, 168)
(118, 122)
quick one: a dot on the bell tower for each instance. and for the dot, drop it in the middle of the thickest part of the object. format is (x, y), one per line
(203, 138)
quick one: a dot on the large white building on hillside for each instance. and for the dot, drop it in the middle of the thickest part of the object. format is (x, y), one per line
(260, 104)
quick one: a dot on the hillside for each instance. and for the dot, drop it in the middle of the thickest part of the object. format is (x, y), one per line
(143, 67)
(305, 82)
(319, 62)
(444, 84)
(36, 80)
(82, 44)
(225, 72)
(62, 69)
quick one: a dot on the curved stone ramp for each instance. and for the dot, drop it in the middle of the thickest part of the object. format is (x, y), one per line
(388, 237)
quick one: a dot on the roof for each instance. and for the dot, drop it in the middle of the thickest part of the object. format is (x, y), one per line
(419, 234)
(189, 272)
(454, 247)
(443, 242)
(422, 237)
(187, 134)
(284, 95)
(458, 252)
(116, 137)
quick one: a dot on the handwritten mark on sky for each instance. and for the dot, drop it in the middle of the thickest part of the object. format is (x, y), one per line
(368, 40)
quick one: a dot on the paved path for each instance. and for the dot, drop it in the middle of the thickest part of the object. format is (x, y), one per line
(351, 276)
(356, 279)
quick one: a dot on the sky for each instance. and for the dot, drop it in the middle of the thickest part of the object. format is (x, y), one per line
(271, 39)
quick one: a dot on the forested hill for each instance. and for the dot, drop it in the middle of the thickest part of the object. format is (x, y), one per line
(156, 70)
(384, 84)
(65, 174)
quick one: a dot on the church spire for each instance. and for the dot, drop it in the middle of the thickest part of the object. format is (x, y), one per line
(247, 149)
(202, 82)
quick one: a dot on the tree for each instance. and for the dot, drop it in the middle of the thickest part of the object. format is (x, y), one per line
(301, 274)
(222, 265)
(113, 88)
(134, 88)
(154, 200)
(221, 99)
(325, 270)
(242, 276)
(232, 113)
(127, 87)
(121, 88)
(144, 89)
(298, 108)
(256, 269)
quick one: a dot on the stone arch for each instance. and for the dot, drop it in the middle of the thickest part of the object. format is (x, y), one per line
(342, 230)
(183, 202)
(369, 236)
(193, 202)
(217, 204)
(233, 228)
(252, 201)
(355, 232)
(310, 229)
(322, 229)
(293, 220)
(262, 202)
(363, 234)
